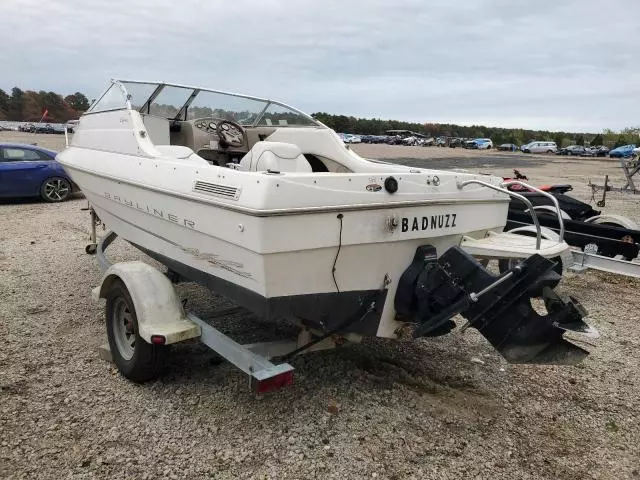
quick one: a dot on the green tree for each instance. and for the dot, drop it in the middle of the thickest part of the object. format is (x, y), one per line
(14, 110)
(631, 132)
(4, 104)
(597, 140)
(620, 141)
(78, 102)
(580, 140)
(558, 138)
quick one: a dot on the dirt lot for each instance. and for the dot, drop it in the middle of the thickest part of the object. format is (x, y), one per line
(437, 408)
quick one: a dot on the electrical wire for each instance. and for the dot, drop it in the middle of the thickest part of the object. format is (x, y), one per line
(335, 260)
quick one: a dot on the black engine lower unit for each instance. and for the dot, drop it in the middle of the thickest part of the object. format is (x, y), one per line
(432, 291)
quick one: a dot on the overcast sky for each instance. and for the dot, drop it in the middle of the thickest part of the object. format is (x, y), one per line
(560, 65)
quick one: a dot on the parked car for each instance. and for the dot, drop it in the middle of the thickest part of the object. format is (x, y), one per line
(508, 147)
(32, 171)
(455, 142)
(417, 141)
(39, 128)
(623, 151)
(441, 142)
(394, 140)
(375, 139)
(479, 143)
(574, 150)
(26, 127)
(600, 151)
(540, 147)
(349, 138)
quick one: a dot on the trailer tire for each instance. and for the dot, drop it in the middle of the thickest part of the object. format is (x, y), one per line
(136, 359)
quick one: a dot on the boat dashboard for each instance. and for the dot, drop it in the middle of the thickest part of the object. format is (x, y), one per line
(223, 142)
(217, 140)
(208, 125)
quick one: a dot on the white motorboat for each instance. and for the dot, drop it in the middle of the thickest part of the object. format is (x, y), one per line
(264, 204)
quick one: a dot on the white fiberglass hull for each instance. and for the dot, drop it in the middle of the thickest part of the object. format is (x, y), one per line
(300, 260)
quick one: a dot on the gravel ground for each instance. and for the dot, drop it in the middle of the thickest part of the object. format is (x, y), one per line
(448, 407)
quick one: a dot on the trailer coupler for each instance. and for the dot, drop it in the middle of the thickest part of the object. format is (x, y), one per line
(432, 291)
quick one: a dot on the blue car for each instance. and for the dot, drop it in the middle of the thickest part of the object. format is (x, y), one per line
(32, 171)
(623, 151)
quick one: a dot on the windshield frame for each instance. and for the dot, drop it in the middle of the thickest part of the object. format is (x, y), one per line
(195, 91)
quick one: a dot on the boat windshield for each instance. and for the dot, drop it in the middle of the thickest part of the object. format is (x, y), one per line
(177, 102)
(242, 110)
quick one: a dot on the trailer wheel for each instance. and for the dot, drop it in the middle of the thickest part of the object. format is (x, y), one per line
(135, 358)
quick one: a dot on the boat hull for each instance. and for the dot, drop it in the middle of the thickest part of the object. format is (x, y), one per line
(290, 272)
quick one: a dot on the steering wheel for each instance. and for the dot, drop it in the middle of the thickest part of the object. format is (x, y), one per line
(230, 134)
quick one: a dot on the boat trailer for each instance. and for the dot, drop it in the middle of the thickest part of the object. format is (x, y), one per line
(596, 246)
(630, 168)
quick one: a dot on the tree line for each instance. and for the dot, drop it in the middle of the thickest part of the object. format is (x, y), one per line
(518, 136)
(30, 106)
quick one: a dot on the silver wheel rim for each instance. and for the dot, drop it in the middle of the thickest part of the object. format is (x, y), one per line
(124, 329)
(56, 189)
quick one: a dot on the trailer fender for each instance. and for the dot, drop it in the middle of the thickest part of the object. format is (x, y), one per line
(617, 220)
(158, 308)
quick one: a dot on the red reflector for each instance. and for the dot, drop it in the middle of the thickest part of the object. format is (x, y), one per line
(158, 339)
(274, 383)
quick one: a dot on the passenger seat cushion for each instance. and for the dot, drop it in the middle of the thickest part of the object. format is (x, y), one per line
(181, 153)
(275, 156)
(176, 151)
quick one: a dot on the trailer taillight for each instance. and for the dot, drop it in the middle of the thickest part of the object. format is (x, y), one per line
(272, 383)
(158, 339)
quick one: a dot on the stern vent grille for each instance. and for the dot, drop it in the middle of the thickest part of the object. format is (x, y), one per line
(224, 191)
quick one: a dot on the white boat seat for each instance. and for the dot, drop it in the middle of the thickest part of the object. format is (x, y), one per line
(180, 152)
(274, 156)
(505, 244)
(176, 151)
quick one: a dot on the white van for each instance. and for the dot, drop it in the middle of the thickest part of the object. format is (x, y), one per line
(540, 147)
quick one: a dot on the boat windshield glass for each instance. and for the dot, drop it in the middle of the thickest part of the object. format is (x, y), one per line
(242, 110)
(139, 93)
(280, 116)
(169, 101)
(112, 99)
(172, 101)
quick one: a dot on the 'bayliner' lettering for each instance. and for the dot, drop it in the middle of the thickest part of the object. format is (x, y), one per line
(151, 210)
(434, 222)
